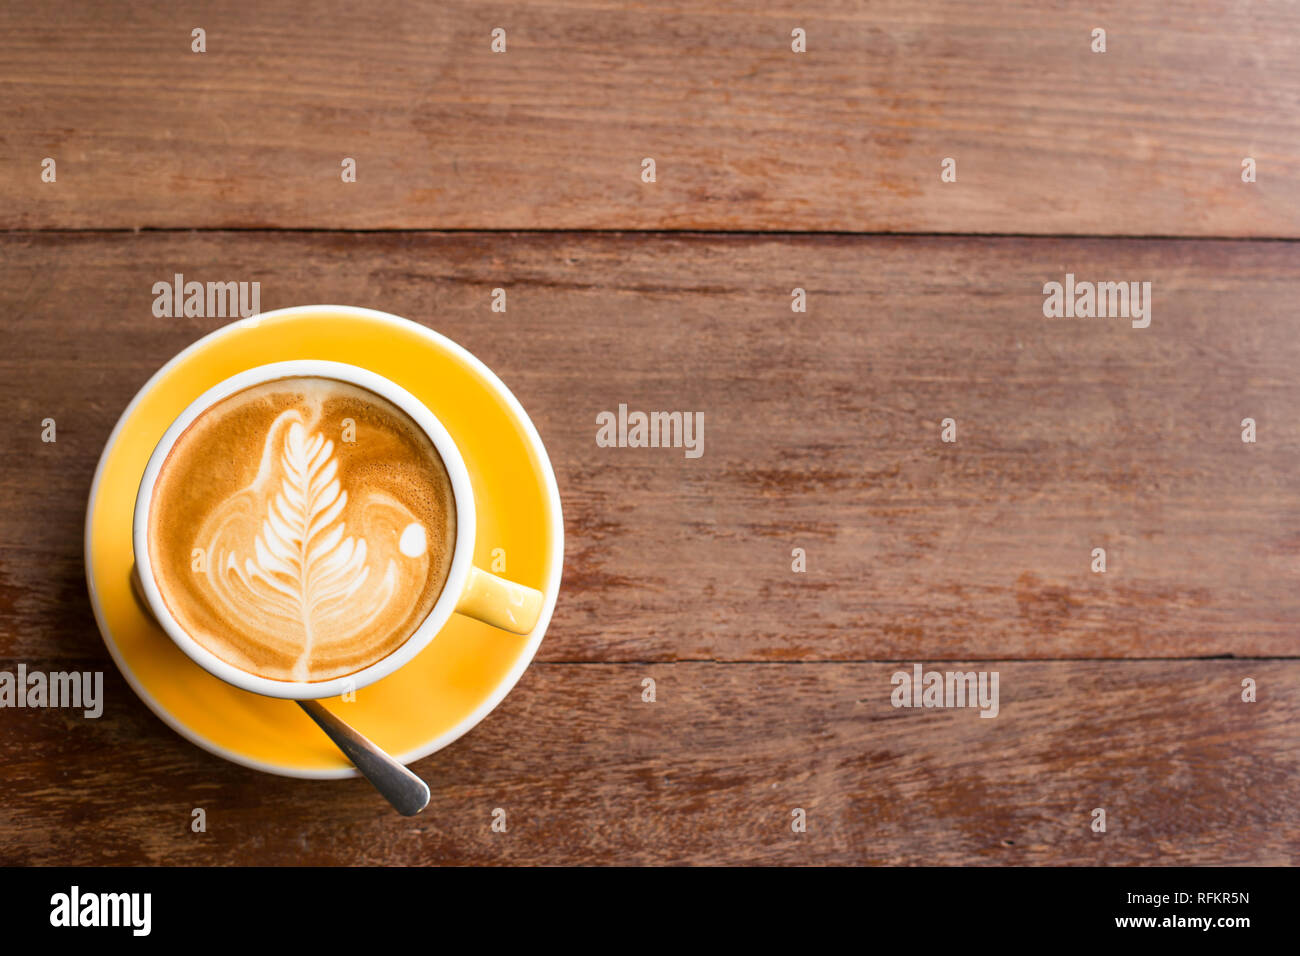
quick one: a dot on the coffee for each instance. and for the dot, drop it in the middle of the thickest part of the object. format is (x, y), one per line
(302, 529)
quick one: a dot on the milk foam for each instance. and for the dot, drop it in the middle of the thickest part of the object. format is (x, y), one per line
(321, 560)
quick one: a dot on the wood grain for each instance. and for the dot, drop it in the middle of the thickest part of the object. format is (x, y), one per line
(822, 428)
(710, 773)
(1049, 137)
(822, 432)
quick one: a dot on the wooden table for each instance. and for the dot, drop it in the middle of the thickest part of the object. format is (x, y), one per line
(774, 171)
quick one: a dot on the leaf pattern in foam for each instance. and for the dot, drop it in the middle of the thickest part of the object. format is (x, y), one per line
(304, 573)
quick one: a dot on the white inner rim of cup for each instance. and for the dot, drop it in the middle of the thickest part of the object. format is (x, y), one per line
(462, 556)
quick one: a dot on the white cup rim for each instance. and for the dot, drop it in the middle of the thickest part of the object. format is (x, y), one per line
(462, 555)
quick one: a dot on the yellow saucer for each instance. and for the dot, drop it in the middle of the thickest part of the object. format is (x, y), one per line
(464, 672)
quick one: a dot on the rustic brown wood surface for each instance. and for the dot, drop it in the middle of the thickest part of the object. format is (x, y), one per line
(1147, 138)
(711, 772)
(1119, 690)
(823, 433)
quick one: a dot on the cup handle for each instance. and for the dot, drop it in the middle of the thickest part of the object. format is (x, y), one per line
(487, 598)
(501, 603)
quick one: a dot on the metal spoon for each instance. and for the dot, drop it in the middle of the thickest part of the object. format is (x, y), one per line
(403, 789)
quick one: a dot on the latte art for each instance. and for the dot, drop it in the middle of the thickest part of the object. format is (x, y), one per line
(319, 555)
(304, 580)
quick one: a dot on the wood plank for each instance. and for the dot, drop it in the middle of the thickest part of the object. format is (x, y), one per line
(822, 431)
(710, 773)
(1049, 137)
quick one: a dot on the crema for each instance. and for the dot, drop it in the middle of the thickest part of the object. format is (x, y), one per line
(302, 529)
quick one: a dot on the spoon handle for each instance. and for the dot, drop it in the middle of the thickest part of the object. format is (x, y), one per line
(403, 789)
